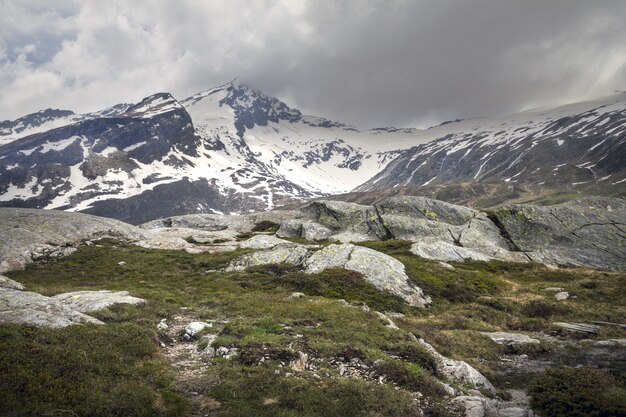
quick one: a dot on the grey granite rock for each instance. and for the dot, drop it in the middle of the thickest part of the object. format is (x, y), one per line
(588, 232)
(383, 271)
(29, 235)
(90, 301)
(22, 307)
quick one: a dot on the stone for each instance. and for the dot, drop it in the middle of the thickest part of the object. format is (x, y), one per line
(562, 295)
(388, 322)
(314, 231)
(511, 339)
(9, 283)
(611, 343)
(340, 216)
(300, 363)
(297, 295)
(578, 327)
(349, 237)
(162, 325)
(90, 301)
(195, 327)
(552, 289)
(30, 235)
(290, 228)
(473, 406)
(587, 232)
(262, 242)
(383, 271)
(432, 248)
(458, 371)
(284, 253)
(446, 265)
(33, 309)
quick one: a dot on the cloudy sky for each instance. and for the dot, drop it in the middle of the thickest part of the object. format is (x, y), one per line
(365, 62)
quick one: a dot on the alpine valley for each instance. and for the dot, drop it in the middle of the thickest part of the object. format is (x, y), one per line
(232, 149)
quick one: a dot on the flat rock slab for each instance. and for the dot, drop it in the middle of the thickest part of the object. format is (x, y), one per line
(263, 242)
(578, 327)
(29, 235)
(511, 339)
(30, 308)
(90, 301)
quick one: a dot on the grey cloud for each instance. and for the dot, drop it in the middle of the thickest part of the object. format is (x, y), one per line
(365, 62)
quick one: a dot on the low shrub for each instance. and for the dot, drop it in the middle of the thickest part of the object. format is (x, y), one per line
(583, 392)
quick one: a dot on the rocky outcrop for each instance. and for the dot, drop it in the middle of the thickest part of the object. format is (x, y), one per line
(33, 309)
(91, 301)
(29, 235)
(231, 225)
(383, 271)
(10, 284)
(22, 307)
(589, 232)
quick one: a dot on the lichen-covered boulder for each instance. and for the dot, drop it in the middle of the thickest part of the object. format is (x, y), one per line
(416, 218)
(30, 308)
(383, 271)
(341, 216)
(315, 231)
(29, 235)
(290, 228)
(90, 301)
(284, 253)
(588, 232)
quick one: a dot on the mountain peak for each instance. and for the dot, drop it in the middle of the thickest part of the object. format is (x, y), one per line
(154, 105)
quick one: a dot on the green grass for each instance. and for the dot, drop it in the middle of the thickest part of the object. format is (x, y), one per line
(119, 369)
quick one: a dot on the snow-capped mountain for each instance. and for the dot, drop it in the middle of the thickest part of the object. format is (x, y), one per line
(234, 149)
(572, 147)
(228, 149)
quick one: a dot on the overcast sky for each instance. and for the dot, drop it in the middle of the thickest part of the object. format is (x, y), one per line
(365, 62)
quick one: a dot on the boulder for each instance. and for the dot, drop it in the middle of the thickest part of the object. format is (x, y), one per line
(340, 216)
(383, 271)
(221, 222)
(29, 235)
(195, 327)
(588, 232)
(30, 308)
(91, 301)
(284, 253)
(290, 228)
(9, 283)
(315, 231)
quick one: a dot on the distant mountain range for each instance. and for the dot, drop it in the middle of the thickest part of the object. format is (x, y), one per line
(232, 149)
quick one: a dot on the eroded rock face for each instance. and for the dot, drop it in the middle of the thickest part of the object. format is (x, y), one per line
(90, 301)
(383, 271)
(588, 232)
(29, 235)
(22, 307)
(340, 216)
(432, 248)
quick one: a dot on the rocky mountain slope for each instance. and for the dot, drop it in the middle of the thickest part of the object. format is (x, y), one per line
(574, 148)
(229, 149)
